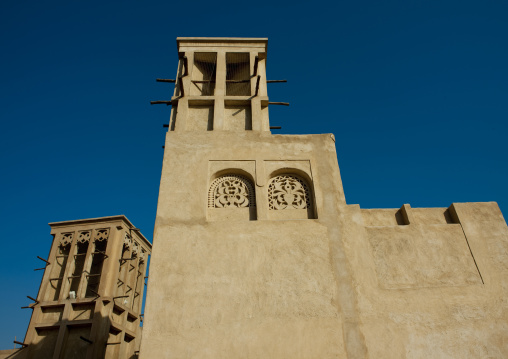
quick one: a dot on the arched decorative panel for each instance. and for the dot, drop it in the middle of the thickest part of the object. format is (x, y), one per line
(288, 191)
(231, 191)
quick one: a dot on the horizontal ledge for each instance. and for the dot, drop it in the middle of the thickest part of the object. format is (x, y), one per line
(76, 323)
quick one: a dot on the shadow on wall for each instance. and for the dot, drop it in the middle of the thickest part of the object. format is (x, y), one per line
(76, 343)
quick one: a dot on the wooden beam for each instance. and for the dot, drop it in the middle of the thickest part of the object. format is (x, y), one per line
(256, 66)
(160, 102)
(44, 260)
(85, 339)
(257, 85)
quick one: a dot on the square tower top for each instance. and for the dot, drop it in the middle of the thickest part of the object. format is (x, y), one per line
(220, 85)
(258, 44)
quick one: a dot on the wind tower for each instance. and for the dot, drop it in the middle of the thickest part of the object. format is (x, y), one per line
(90, 299)
(257, 255)
(220, 86)
(241, 260)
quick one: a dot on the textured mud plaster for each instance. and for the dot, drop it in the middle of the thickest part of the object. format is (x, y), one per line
(301, 274)
(417, 285)
(249, 288)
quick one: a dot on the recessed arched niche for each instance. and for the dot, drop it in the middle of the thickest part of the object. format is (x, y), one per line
(231, 196)
(290, 196)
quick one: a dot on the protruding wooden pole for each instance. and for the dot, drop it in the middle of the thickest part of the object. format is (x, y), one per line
(160, 102)
(44, 260)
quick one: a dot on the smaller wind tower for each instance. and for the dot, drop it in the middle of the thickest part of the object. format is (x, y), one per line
(90, 298)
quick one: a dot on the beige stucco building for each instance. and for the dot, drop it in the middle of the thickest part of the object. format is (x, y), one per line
(256, 253)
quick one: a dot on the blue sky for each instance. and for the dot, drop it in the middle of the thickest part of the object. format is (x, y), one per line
(414, 91)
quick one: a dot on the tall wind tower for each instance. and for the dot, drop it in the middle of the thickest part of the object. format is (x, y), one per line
(244, 232)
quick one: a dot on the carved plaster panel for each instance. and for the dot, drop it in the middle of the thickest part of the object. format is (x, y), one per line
(231, 191)
(127, 241)
(288, 192)
(101, 234)
(66, 239)
(83, 236)
(135, 247)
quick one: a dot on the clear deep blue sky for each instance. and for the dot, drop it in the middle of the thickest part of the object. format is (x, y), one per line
(414, 91)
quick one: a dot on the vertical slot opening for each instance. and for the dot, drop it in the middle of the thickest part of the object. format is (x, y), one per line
(79, 262)
(130, 282)
(120, 288)
(138, 289)
(237, 74)
(203, 74)
(59, 269)
(94, 277)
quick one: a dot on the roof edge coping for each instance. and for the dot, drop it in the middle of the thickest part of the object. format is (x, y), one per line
(120, 217)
